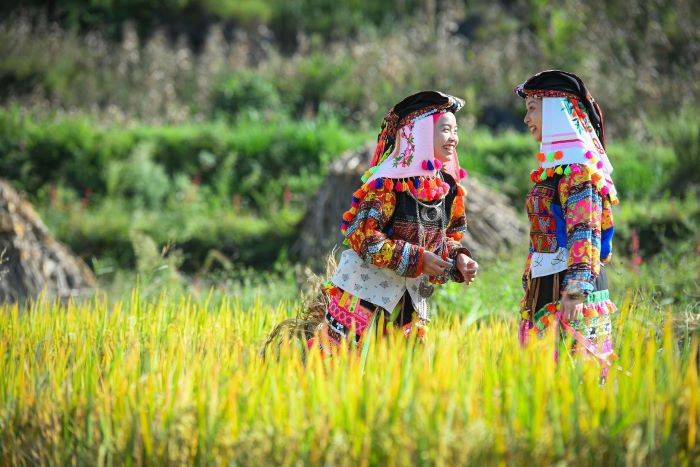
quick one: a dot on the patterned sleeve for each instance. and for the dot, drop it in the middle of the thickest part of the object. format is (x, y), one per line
(365, 235)
(607, 231)
(455, 232)
(582, 205)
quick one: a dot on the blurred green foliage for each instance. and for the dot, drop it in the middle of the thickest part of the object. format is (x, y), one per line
(210, 123)
(174, 61)
(140, 161)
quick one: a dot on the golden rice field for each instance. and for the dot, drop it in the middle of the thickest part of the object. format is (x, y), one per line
(169, 381)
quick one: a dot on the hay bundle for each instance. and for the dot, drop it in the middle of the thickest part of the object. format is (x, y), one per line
(32, 260)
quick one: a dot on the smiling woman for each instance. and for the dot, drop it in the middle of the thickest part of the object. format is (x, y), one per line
(533, 117)
(403, 228)
(570, 212)
(445, 137)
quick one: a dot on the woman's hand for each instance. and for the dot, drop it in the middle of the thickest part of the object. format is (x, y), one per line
(433, 265)
(467, 267)
(572, 306)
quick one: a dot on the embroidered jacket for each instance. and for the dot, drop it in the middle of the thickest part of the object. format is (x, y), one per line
(578, 219)
(385, 231)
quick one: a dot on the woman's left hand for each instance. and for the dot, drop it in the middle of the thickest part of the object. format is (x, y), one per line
(467, 267)
(572, 307)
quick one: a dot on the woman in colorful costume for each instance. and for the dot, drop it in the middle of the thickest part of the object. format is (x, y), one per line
(569, 208)
(403, 227)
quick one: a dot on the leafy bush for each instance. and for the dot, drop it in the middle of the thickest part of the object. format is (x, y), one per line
(246, 92)
(682, 134)
(255, 159)
(195, 226)
(659, 224)
(138, 178)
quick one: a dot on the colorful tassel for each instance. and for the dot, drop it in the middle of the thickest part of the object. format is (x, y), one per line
(559, 170)
(379, 184)
(430, 165)
(567, 170)
(379, 150)
(416, 182)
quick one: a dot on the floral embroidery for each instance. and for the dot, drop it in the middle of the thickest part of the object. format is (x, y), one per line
(405, 158)
(578, 116)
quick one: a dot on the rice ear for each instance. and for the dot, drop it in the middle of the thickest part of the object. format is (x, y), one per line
(310, 315)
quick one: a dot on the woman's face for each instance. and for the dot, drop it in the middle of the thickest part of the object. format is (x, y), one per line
(533, 117)
(445, 139)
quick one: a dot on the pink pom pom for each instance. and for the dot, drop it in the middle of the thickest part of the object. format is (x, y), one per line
(399, 186)
(605, 190)
(588, 155)
(600, 164)
(575, 169)
(425, 165)
(462, 174)
(438, 164)
(373, 185)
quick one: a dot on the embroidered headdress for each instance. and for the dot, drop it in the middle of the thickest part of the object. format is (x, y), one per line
(572, 129)
(404, 154)
(404, 159)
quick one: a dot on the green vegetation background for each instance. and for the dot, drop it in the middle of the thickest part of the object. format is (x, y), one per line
(182, 140)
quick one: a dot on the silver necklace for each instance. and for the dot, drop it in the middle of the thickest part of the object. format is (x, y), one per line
(431, 213)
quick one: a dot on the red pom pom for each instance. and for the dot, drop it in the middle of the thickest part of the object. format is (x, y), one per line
(399, 186)
(540, 156)
(558, 155)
